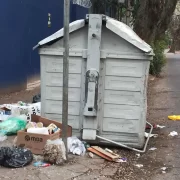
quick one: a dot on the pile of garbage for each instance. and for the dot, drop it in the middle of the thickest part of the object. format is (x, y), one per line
(24, 110)
(15, 117)
(38, 128)
(15, 157)
(22, 117)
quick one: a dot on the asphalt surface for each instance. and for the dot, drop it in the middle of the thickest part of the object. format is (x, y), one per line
(168, 103)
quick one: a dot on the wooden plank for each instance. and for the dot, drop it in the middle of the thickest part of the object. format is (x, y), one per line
(112, 156)
(99, 154)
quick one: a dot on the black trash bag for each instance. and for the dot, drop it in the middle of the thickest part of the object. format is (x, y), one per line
(15, 157)
(36, 98)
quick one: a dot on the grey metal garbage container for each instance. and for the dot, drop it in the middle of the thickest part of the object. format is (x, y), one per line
(108, 73)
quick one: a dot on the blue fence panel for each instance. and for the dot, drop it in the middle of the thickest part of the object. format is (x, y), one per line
(23, 24)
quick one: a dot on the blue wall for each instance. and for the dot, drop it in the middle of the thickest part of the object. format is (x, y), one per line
(23, 24)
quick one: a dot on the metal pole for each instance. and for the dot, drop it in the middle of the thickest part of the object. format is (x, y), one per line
(65, 74)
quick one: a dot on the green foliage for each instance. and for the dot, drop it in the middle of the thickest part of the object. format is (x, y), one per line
(159, 59)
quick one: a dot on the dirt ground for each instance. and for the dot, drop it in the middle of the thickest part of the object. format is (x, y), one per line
(160, 105)
(25, 96)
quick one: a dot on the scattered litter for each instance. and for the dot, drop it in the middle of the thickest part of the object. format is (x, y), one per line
(55, 152)
(42, 130)
(91, 154)
(15, 141)
(139, 165)
(121, 160)
(173, 133)
(15, 157)
(75, 146)
(149, 127)
(12, 126)
(152, 149)
(2, 137)
(86, 145)
(174, 117)
(151, 135)
(52, 128)
(161, 127)
(36, 142)
(20, 108)
(138, 155)
(34, 125)
(164, 172)
(163, 168)
(38, 158)
(41, 164)
(104, 153)
(36, 98)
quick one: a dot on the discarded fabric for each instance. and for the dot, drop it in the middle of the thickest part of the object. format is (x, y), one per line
(54, 152)
(75, 146)
(173, 133)
(15, 157)
(151, 135)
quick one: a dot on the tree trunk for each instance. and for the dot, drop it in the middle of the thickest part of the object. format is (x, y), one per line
(153, 18)
(173, 47)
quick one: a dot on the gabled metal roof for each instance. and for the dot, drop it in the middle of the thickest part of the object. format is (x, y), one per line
(115, 26)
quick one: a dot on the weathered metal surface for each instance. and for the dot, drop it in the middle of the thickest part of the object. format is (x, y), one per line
(123, 72)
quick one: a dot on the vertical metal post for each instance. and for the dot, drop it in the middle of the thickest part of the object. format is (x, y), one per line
(65, 74)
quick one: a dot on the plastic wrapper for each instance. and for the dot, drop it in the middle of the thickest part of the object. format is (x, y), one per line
(12, 126)
(54, 152)
(15, 157)
(75, 146)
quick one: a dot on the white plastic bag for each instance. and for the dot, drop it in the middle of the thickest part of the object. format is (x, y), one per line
(75, 146)
(55, 152)
(2, 137)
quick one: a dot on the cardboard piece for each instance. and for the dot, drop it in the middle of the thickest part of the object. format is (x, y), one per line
(36, 142)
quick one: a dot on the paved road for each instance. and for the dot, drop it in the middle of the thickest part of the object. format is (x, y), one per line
(168, 102)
